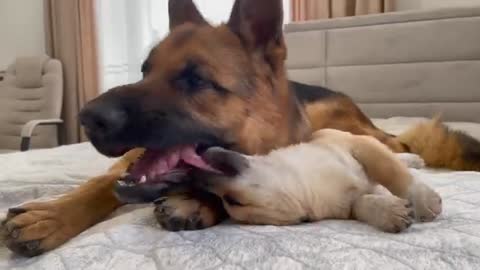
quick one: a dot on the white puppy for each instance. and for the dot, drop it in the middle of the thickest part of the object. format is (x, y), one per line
(331, 177)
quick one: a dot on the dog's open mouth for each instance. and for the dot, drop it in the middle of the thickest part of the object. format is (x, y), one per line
(172, 165)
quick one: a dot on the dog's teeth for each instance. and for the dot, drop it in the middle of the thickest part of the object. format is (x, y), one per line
(143, 179)
(122, 183)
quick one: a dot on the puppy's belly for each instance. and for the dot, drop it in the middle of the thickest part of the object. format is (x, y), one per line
(333, 193)
(334, 183)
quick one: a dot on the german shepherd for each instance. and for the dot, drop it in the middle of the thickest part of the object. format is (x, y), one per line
(207, 86)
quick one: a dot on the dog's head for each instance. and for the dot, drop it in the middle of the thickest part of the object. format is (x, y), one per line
(203, 86)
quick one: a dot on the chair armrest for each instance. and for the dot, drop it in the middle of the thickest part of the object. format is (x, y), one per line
(28, 128)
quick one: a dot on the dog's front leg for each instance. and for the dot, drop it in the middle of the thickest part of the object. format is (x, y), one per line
(189, 209)
(37, 227)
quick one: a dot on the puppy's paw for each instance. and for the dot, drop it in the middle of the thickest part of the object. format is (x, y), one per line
(412, 160)
(397, 215)
(385, 212)
(426, 202)
(182, 212)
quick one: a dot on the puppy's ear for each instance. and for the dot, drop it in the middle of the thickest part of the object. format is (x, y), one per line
(227, 162)
(183, 11)
(259, 23)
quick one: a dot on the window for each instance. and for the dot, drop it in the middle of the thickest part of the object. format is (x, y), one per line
(128, 29)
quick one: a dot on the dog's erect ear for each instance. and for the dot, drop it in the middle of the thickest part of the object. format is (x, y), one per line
(183, 11)
(227, 162)
(258, 23)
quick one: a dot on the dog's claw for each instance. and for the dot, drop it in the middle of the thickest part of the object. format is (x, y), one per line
(29, 249)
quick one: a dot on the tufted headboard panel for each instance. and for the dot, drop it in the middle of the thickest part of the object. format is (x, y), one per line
(416, 63)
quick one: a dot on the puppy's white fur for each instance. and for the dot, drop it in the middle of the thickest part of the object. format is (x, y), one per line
(331, 177)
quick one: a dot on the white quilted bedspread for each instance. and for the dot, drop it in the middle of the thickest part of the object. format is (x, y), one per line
(131, 239)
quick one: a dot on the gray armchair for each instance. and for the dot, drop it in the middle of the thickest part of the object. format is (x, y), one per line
(31, 96)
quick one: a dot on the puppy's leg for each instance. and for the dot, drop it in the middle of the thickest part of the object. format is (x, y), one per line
(411, 160)
(383, 167)
(36, 227)
(385, 212)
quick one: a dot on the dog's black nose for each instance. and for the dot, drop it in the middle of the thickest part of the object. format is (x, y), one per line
(103, 118)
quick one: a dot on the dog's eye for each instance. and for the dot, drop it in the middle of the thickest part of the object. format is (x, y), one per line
(146, 67)
(191, 81)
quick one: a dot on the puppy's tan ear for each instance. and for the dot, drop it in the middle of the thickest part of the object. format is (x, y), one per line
(227, 162)
(183, 11)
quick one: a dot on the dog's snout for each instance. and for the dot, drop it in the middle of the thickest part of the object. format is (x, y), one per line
(103, 118)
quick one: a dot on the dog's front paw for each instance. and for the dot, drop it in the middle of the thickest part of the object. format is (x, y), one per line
(426, 202)
(34, 228)
(183, 212)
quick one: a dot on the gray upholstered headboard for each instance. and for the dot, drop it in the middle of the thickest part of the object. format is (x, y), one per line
(399, 64)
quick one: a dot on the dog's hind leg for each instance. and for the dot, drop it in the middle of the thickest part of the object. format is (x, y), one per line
(341, 113)
(383, 167)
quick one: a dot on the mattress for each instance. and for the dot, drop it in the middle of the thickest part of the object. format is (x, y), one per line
(131, 238)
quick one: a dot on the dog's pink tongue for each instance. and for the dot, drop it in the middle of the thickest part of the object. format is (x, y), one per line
(155, 164)
(190, 156)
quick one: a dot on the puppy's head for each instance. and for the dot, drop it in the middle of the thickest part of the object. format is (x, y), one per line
(251, 187)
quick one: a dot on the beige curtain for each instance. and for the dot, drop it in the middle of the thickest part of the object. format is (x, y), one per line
(304, 10)
(71, 37)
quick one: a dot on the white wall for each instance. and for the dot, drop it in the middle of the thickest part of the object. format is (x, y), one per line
(429, 4)
(21, 30)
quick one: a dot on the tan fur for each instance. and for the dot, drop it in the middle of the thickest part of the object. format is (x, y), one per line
(439, 146)
(56, 221)
(385, 212)
(381, 166)
(204, 212)
(43, 226)
(330, 177)
(341, 113)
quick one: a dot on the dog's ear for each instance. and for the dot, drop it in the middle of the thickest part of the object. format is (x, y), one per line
(259, 23)
(228, 162)
(183, 11)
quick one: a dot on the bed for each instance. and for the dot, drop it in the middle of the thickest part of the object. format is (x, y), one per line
(401, 64)
(131, 238)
